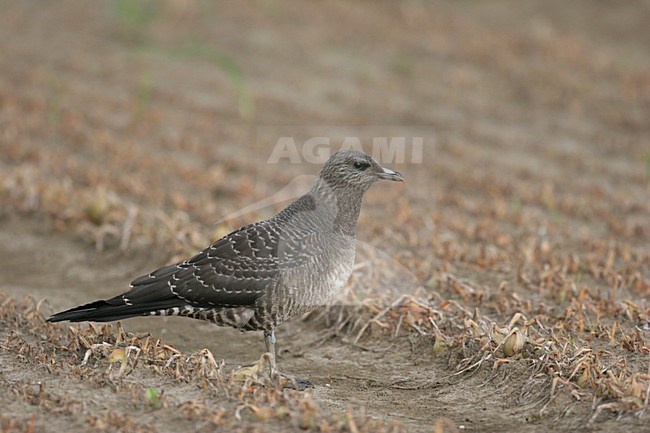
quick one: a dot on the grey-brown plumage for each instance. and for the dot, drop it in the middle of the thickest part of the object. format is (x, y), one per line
(264, 273)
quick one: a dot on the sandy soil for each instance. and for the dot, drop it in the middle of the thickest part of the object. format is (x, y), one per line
(127, 131)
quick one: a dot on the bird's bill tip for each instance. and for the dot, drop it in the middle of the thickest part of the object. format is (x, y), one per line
(393, 175)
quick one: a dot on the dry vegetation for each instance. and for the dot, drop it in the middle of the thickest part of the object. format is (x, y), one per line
(506, 285)
(106, 357)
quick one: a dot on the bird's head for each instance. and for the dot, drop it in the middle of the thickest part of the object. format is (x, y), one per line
(356, 170)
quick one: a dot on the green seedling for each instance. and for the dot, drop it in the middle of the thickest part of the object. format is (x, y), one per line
(152, 398)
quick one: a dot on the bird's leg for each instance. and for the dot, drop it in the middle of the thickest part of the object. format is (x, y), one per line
(269, 339)
(296, 383)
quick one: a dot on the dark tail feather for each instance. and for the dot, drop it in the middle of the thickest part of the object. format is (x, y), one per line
(111, 309)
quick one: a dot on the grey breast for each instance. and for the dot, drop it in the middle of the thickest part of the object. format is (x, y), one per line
(312, 275)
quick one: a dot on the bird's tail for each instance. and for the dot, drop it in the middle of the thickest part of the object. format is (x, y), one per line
(112, 309)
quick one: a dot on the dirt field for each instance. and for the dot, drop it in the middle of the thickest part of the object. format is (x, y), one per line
(503, 287)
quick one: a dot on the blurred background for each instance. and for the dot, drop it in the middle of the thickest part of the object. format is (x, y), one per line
(137, 124)
(132, 124)
(130, 129)
(150, 112)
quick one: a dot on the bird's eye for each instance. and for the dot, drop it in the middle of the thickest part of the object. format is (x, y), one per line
(361, 165)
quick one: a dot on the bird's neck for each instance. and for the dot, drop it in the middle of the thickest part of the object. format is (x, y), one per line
(339, 206)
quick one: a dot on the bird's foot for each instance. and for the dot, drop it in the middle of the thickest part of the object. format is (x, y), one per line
(264, 369)
(255, 371)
